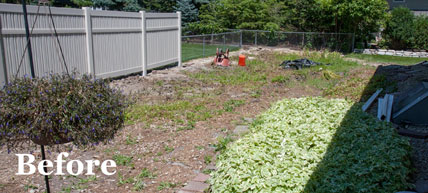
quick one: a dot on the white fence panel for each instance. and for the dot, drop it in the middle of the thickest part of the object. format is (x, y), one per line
(101, 43)
(117, 44)
(46, 54)
(163, 39)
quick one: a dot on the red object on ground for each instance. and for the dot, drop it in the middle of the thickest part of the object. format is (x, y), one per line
(241, 60)
(221, 58)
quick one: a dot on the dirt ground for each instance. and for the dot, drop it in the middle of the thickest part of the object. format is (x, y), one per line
(169, 156)
(187, 150)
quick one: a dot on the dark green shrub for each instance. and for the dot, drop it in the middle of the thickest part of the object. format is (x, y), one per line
(399, 31)
(421, 32)
(58, 109)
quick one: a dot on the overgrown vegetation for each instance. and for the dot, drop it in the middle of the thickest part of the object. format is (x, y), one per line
(306, 144)
(59, 108)
(404, 30)
(183, 113)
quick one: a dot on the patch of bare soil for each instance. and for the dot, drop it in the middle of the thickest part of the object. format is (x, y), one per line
(169, 156)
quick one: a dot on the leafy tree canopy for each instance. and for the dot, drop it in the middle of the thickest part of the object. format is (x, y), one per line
(236, 14)
(361, 17)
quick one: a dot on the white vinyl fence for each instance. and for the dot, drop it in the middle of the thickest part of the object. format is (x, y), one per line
(101, 43)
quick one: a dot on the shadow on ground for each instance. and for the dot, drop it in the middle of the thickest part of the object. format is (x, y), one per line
(351, 164)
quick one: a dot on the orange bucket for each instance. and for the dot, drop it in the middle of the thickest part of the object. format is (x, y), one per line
(241, 60)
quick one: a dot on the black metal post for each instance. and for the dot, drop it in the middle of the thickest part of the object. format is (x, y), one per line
(353, 42)
(203, 47)
(30, 57)
(44, 168)
(255, 39)
(240, 39)
(27, 32)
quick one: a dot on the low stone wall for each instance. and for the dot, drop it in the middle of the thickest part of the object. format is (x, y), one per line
(392, 53)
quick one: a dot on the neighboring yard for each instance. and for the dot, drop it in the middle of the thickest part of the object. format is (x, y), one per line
(191, 51)
(183, 119)
(387, 59)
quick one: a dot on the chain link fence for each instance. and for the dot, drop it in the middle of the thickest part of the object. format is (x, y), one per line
(197, 46)
(340, 42)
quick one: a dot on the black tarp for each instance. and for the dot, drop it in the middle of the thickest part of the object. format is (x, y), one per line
(299, 64)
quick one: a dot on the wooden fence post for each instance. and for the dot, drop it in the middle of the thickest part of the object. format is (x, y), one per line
(89, 46)
(143, 43)
(179, 38)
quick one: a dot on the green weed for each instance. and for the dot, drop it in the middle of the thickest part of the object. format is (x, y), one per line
(166, 185)
(123, 160)
(208, 159)
(168, 149)
(230, 105)
(146, 173)
(222, 143)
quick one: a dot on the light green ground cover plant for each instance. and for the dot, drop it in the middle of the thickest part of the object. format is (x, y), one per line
(387, 59)
(315, 145)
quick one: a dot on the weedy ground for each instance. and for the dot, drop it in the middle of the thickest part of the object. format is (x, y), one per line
(176, 126)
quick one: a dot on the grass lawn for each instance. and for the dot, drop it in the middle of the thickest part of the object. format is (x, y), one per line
(387, 59)
(192, 51)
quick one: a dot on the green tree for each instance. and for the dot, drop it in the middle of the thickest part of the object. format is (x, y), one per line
(189, 13)
(306, 15)
(360, 17)
(83, 3)
(158, 5)
(399, 31)
(120, 5)
(421, 32)
(237, 14)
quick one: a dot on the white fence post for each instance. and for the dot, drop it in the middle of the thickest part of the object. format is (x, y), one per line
(89, 46)
(143, 43)
(179, 38)
(3, 68)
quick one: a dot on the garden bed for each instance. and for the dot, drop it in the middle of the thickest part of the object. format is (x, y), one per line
(315, 145)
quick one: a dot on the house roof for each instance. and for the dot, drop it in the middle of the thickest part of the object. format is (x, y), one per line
(414, 5)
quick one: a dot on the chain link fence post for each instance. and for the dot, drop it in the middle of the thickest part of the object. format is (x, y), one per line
(303, 40)
(240, 40)
(203, 46)
(255, 39)
(353, 42)
(224, 41)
